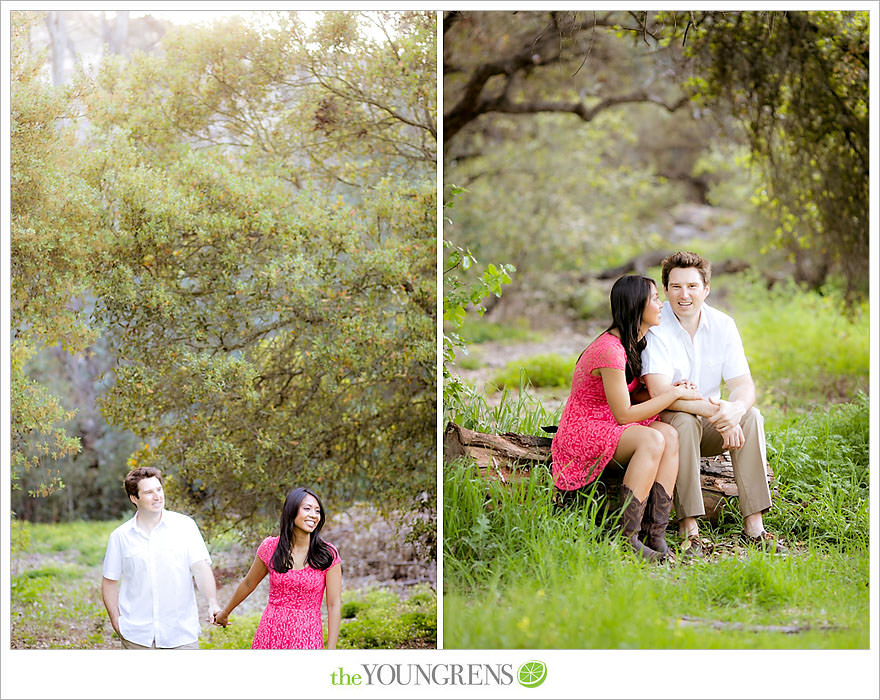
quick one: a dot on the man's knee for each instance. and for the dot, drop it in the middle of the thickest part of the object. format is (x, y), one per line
(688, 426)
(752, 417)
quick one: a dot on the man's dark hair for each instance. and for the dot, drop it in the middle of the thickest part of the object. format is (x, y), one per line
(135, 476)
(686, 259)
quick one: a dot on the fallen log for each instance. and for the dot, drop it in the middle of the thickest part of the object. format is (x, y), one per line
(508, 457)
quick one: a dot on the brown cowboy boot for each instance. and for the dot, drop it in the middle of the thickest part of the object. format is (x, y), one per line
(658, 505)
(631, 523)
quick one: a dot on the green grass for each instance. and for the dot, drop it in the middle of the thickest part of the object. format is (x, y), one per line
(478, 330)
(521, 574)
(803, 349)
(371, 619)
(56, 601)
(83, 540)
(547, 370)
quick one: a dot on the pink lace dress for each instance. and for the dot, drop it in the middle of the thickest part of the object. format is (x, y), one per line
(292, 618)
(588, 433)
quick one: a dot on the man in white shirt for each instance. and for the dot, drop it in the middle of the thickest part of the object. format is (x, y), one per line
(149, 568)
(697, 343)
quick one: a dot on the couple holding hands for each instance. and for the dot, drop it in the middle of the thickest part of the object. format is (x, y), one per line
(647, 394)
(152, 559)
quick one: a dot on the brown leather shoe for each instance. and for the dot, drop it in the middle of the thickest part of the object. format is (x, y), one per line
(765, 541)
(655, 519)
(631, 523)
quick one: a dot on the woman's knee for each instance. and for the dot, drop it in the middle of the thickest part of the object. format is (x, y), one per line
(670, 435)
(653, 442)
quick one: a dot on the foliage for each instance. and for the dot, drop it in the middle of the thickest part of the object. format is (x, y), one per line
(802, 350)
(379, 619)
(821, 466)
(518, 410)
(548, 370)
(798, 81)
(265, 279)
(84, 542)
(503, 581)
(52, 212)
(483, 331)
(372, 619)
(459, 294)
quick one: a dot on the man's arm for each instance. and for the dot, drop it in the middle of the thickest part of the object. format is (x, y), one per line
(110, 596)
(731, 412)
(205, 581)
(660, 383)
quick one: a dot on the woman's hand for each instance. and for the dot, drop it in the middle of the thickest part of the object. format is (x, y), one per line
(687, 391)
(221, 618)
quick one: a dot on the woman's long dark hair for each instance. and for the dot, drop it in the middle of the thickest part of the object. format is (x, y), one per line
(628, 298)
(320, 555)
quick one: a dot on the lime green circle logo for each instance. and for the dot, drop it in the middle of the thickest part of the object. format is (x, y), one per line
(531, 674)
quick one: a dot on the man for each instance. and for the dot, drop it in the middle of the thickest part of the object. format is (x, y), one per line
(149, 568)
(697, 343)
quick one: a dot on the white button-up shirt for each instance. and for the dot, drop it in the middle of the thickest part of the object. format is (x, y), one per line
(157, 599)
(715, 353)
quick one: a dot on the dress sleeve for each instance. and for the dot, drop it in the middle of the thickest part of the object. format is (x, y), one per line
(266, 550)
(335, 552)
(606, 351)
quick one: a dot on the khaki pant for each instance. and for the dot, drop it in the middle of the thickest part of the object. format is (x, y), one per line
(696, 437)
(131, 645)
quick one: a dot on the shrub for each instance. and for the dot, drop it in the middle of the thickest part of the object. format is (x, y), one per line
(548, 370)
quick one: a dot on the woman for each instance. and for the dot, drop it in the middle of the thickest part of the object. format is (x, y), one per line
(600, 422)
(301, 566)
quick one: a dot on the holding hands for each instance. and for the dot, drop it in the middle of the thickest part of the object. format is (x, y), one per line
(686, 390)
(221, 618)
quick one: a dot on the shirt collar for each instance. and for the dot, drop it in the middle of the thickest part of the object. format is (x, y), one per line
(133, 523)
(705, 318)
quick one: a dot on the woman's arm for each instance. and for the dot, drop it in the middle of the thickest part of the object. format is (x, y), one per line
(333, 585)
(617, 395)
(253, 577)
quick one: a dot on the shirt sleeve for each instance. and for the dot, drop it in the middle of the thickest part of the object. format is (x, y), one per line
(735, 362)
(656, 357)
(196, 549)
(112, 568)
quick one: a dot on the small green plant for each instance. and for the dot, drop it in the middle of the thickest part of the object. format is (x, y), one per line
(382, 620)
(549, 370)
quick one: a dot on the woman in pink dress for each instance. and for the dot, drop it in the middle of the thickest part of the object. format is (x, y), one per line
(301, 568)
(601, 422)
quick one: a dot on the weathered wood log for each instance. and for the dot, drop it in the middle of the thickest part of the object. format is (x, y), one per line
(510, 456)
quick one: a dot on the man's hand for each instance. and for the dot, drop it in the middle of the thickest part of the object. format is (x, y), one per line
(733, 438)
(213, 610)
(728, 415)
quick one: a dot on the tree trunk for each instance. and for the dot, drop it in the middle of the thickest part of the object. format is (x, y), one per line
(510, 456)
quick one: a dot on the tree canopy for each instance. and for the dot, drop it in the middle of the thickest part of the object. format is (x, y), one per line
(603, 122)
(265, 202)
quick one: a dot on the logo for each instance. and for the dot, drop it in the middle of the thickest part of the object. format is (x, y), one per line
(531, 674)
